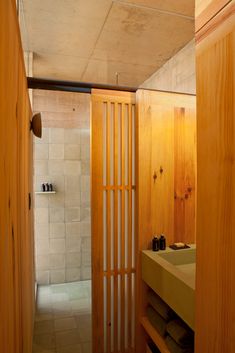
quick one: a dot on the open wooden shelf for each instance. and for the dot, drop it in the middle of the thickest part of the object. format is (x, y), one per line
(45, 192)
(154, 335)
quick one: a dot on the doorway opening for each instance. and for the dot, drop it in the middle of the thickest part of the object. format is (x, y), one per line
(62, 223)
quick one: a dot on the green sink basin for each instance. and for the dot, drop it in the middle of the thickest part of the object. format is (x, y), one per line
(171, 274)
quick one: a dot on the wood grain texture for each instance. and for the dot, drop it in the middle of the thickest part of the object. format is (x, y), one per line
(215, 280)
(154, 335)
(166, 148)
(205, 10)
(16, 241)
(112, 242)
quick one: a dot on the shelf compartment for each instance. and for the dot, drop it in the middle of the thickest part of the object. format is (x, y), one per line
(154, 335)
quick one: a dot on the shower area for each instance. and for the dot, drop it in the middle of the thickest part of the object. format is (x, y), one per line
(62, 223)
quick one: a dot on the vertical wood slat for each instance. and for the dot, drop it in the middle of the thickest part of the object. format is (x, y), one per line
(97, 227)
(120, 306)
(130, 227)
(108, 225)
(116, 157)
(123, 231)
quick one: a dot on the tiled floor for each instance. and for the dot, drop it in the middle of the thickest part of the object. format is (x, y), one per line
(63, 318)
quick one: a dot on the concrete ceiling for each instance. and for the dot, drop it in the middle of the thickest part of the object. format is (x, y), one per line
(91, 40)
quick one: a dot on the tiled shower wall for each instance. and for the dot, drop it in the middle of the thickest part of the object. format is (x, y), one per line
(62, 157)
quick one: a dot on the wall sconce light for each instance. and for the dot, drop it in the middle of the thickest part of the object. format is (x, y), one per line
(36, 125)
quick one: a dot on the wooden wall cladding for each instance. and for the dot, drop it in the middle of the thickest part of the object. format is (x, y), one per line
(166, 177)
(205, 10)
(16, 238)
(215, 279)
(166, 143)
(113, 221)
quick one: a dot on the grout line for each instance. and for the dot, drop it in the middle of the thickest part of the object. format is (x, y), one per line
(97, 39)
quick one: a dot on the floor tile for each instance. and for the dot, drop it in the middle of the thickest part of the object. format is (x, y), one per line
(65, 324)
(45, 341)
(77, 348)
(41, 327)
(66, 338)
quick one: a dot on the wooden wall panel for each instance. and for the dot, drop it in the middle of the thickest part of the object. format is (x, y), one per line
(166, 149)
(215, 279)
(16, 278)
(205, 10)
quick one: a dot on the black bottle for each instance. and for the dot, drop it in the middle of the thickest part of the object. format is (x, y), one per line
(47, 187)
(50, 187)
(155, 243)
(162, 242)
(43, 187)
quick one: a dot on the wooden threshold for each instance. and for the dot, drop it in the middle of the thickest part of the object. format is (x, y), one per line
(154, 335)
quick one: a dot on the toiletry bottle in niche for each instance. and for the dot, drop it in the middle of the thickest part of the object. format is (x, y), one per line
(47, 187)
(162, 242)
(43, 187)
(50, 187)
(155, 243)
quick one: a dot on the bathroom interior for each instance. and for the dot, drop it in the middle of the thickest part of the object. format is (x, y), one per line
(121, 225)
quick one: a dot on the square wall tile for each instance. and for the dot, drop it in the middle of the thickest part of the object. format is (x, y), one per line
(41, 201)
(85, 167)
(85, 152)
(85, 183)
(56, 135)
(72, 136)
(72, 199)
(57, 230)
(73, 274)
(56, 167)
(56, 215)
(72, 151)
(86, 244)
(57, 246)
(85, 214)
(56, 151)
(41, 151)
(86, 258)
(73, 260)
(57, 200)
(41, 167)
(57, 261)
(72, 214)
(85, 199)
(43, 277)
(72, 167)
(72, 184)
(42, 262)
(85, 229)
(42, 246)
(41, 230)
(73, 244)
(57, 276)
(86, 273)
(72, 229)
(41, 215)
(85, 137)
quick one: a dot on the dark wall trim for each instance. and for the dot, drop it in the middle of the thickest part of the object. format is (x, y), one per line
(70, 86)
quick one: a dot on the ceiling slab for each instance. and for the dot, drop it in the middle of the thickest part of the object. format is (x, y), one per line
(92, 40)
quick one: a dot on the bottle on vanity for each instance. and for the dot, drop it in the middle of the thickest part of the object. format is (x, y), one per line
(162, 242)
(155, 243)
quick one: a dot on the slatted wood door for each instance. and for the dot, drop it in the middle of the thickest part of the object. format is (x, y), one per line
(113, 221)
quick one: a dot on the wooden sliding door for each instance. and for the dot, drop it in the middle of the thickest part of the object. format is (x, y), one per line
(113, 221)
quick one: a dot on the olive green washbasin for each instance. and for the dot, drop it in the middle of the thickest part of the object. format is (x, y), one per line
(171, 274)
